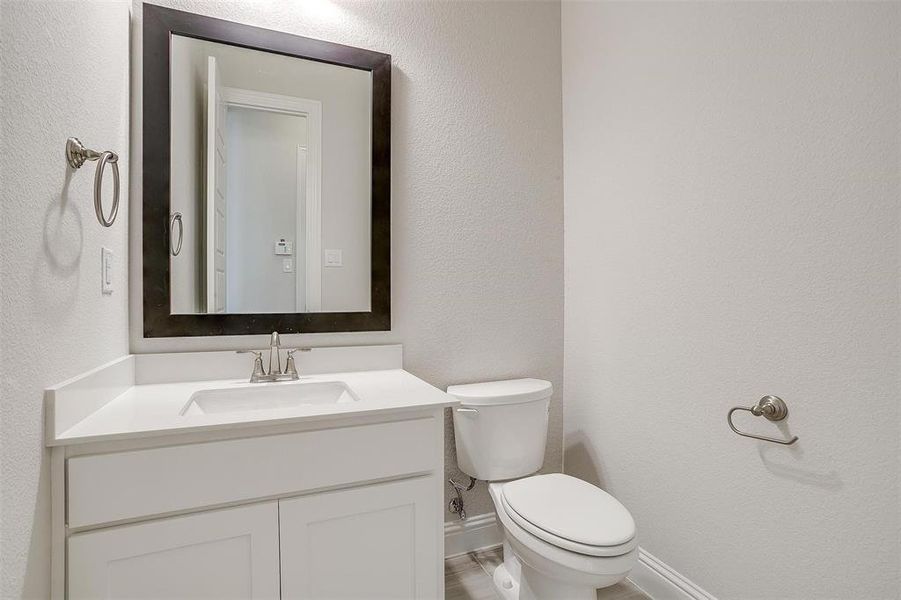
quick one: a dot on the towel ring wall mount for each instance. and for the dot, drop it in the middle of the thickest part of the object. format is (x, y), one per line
(771, 407)
(76, 155)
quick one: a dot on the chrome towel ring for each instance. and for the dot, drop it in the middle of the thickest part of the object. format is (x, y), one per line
(771, 407)
(173, 219)
(76, 155)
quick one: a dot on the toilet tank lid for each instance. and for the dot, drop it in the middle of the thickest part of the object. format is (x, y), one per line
(512, 391)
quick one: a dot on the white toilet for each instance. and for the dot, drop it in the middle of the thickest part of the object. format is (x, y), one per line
(563, 537)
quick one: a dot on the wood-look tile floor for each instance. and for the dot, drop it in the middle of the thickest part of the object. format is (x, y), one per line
(468, 577)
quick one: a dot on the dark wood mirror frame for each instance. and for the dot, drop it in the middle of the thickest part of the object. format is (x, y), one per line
(159, 25)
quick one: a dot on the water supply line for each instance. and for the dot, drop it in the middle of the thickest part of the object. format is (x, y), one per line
(456, 504)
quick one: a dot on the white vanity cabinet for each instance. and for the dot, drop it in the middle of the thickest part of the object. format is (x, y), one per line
(372, 542)
(340, 510)
(229, 553)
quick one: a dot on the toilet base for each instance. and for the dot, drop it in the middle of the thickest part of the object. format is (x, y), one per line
(506, 586)
(537, 586)
(506, 576)
(516, 581)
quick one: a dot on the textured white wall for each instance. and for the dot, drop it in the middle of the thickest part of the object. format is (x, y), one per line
(732, 212)
(477, 216)
(63, 73)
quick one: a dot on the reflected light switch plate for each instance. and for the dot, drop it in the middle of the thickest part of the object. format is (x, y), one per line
(106, 271)
(287, 265)
(333, 258)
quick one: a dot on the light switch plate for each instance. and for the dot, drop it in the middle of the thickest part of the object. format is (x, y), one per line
(106, 271)
(334, 258)
(287, 265)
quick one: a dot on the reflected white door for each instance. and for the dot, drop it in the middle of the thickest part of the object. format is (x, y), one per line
(220, 554)
(216, 198)
(377, 541)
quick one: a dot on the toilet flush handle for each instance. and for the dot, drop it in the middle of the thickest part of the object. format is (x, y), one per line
(468, 410)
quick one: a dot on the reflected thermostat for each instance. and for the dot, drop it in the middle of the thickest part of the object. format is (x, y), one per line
(284, 248)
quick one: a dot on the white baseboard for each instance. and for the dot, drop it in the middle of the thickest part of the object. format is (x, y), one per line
(475, 533)
(653, 576)
(661, 582)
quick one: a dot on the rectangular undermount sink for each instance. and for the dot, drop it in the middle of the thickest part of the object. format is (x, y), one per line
(268, 396)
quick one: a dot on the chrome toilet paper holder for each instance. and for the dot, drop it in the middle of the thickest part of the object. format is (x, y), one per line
(771, 407)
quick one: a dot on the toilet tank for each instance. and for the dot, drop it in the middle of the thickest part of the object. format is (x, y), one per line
(500, 427)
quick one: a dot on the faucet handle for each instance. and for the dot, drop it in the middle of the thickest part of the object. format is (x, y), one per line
(257, 363)
(290, 367)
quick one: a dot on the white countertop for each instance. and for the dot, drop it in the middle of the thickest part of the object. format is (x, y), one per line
(155, 409)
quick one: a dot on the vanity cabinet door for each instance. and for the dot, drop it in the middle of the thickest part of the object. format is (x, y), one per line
(219, 554)
(377, 541)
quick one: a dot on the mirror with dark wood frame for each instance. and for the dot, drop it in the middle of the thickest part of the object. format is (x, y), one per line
(266, 181)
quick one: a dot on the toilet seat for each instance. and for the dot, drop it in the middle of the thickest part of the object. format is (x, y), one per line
(570, 514)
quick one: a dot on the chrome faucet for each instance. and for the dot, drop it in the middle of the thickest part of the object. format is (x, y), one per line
(261, 375)
(274, 346)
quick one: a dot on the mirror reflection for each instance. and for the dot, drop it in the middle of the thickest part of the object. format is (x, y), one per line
(270, 182)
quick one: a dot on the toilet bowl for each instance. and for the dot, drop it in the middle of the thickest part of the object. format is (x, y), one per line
(563, 537)
(553, 566)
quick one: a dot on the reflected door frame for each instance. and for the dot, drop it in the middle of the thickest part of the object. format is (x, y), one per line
(308, 296)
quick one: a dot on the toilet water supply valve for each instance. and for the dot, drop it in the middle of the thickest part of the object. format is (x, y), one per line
(456, 504)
